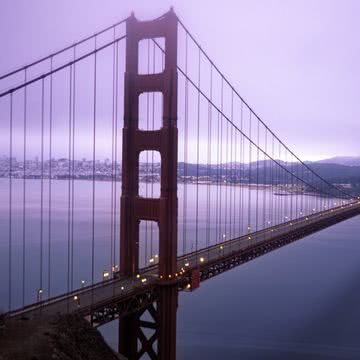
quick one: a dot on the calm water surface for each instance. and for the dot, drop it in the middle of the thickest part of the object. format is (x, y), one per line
(299, 302)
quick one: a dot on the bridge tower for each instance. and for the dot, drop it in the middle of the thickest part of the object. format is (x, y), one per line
(132, 341)
(133, 207)
(162, 210)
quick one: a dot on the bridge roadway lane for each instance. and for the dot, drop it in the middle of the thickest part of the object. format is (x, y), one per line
(85, 299)
(214, 253)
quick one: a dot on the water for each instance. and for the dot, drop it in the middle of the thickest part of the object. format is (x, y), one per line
(299, 302)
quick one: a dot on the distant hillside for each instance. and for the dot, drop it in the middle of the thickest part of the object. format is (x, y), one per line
(337, 173)
(341, 160)
(260, 172)
(333, 172)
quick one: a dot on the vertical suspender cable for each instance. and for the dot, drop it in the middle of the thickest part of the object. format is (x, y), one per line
(186, 111)
(113, 165)
(272, 211)
(221, 157)
(217, 210)
(112, 237)
(147, 178)
(208, 200)
(93, 180)
(69, 182)
(264, 182)
(287, 186)
(257, 175)
(290, 185)
(231, 232)
(226, 169)
(73, 173)
(152, 157)
(303, 191)
(50, 178)
(242, 172)
(10, 202)
(232, 189)
(112, 162)
(198, 154)
(235, 171)
(280, 186)
(250, 175)
(42, 184)
(297, 190)
(24, 194)
(116, 148)
(217, 231)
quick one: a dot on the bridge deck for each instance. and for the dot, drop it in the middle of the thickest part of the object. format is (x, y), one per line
(208, 261)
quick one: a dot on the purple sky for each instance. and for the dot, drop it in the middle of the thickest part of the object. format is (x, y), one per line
(295, 62)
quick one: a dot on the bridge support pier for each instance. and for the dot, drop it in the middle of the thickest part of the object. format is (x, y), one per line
(151, 331)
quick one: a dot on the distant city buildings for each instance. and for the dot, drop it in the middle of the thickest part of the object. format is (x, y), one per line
(106, 170)
(59, 169)
(77, 169)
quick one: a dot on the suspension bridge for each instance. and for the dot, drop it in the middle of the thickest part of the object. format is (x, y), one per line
(193, 183)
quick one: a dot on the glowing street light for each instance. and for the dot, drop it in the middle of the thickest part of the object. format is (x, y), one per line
(106, 275)
(77, 300)
(39, 295)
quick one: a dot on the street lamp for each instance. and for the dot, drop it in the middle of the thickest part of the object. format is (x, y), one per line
(106, 275)
(77, 300)
(39, 295)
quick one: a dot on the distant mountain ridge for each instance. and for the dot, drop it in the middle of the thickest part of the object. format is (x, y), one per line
(341, 160)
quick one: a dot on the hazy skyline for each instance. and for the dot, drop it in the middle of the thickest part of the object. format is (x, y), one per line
(295, 63)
